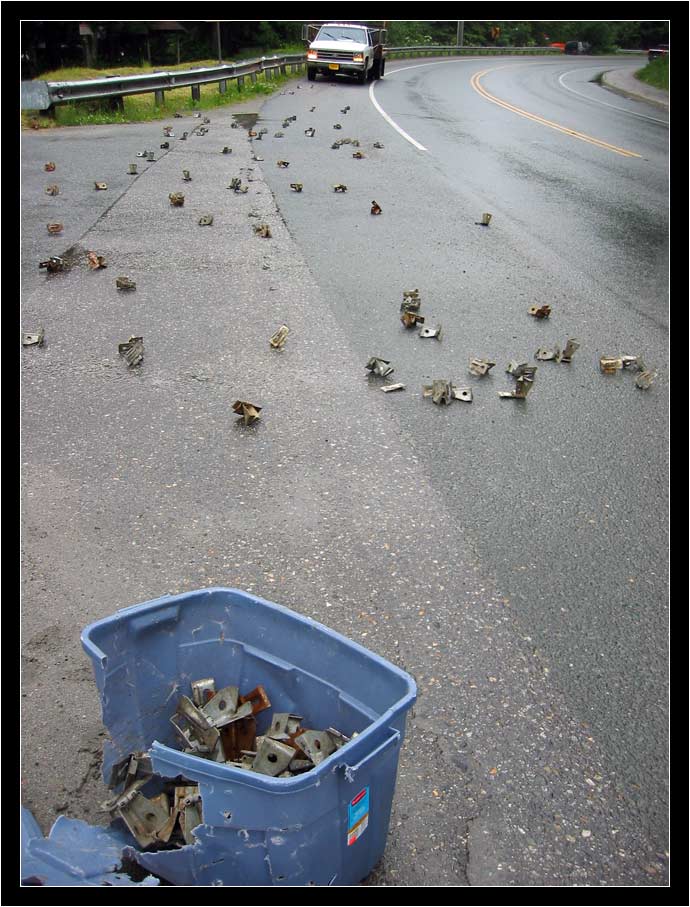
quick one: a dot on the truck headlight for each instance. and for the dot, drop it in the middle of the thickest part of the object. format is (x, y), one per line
(311, 55)
(358, 58)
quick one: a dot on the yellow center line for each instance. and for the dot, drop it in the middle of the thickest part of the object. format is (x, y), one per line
(474, 81)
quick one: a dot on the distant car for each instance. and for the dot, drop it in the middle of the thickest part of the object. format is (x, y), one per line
(655, 52)
(576, 47)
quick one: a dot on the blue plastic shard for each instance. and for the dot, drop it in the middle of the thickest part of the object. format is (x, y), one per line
(74, 853)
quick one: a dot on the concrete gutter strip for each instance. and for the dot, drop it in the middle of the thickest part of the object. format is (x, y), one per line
(623, 82)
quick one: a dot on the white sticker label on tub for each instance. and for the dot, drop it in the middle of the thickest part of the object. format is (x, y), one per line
(357, 816)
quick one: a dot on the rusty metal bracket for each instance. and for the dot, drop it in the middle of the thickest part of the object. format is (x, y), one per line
(375, 208)
(263, 230)
(381, 367)
(248, 411)
(481, 366)
(55, 228)
(258, 699)
(49, 167)
(410, 318)
(96, 261)
(278, 339)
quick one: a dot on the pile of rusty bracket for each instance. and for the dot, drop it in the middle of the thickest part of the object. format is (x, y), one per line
(221, 726)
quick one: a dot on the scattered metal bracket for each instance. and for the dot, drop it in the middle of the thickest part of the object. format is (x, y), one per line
(272, 757)
(311, 132)
(345, 109)
(545, 355)
(378, 145)
(125, 283)
(132, 170)
(540, 311)
(55, 190)
(410, 318)
(226, 150)
(132, 350)
(49, 167)
(336, 145)
(53, 264)
(484, 222)
(55, 228)
(186, 176)
(277, 341)
(380, 367)
(431, 332)
(34, 339)
(610, 364)
(96, 261)
(167, 132)
(443, 392)
(375, 208)
(523, 385)
(205, 220)
(521, 369)
(235, 183)
(411, 299)
(283, 163)
(645, 379)
(318, 745)
(481, 366)
(258, 699)
(248, 411)
(263, 230)
(101, 186)
(387, 388)
(296, 187)
(340, 187)
(571, 345)
(276, 135)
(164, 146)
(183, 137)
(176, 199)
(150, 157)
(337, 126)
(357, 155)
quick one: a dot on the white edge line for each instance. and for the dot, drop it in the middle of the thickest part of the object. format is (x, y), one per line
(632, 113)
(391, 122)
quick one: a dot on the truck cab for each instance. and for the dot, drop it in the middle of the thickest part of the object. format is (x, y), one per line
(339, 48)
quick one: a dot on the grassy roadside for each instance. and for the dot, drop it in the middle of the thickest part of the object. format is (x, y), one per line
(142, 108)
(655, 73)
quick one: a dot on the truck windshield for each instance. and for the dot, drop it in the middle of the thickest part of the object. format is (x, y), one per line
(335, 33)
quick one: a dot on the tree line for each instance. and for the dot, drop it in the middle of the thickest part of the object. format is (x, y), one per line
(51, 45)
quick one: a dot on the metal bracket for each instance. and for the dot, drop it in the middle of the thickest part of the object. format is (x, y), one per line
(205, 220)
(248, 411)
(542, 311)
(263, 230)
(54, 228)
(431, 332)
(645, 379)
(380, 367)
(546, 355)
(186, 176)
(357, 155)
(570, 346)
(176, 199)
(296, 187)
(387, 388)
(523, 386)
(55, 190)
(410, 318)
(221, 706)
(340, 187)
(375, 208)
(203, 690)
(33, 339)
(318, 745)
(278, 340)
(101, 186)
(484, 222)
(311, 132)
(283, 163)
(272, 757)
(145, 817)
(53, 264)
(49, 167)
(258, 699)
(521, 369)
(125, 283)
(481, 366)
(283, 726)
(378, 145)
(96, 261)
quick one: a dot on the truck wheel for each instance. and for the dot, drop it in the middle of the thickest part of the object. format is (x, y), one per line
(382, 66)
(311, 73)
(362, 77)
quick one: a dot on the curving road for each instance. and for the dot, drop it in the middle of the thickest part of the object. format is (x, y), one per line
(512, 555)
(563, 499)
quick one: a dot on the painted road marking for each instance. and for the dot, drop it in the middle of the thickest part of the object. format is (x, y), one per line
(605, 104)
(475, 83)
(392, 122)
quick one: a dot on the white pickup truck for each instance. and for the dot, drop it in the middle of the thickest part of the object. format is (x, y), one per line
(337, 47)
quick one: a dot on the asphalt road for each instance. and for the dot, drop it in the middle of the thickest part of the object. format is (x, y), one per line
(512, 555)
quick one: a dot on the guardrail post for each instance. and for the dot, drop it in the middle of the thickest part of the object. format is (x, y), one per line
(159, 98)
(223, 86)
(240, 83)
(196, 92)
(283, 69)
(252, 76)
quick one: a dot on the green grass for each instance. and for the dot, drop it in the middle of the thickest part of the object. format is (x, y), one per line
(655, 73)
(142, 108)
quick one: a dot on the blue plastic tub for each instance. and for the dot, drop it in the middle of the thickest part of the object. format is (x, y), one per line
(327, 826)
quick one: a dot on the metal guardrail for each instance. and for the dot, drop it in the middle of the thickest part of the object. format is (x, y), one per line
(38, 95)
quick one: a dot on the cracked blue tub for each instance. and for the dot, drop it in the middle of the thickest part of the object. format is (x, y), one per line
(327, 826)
